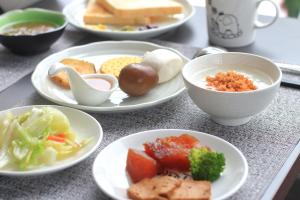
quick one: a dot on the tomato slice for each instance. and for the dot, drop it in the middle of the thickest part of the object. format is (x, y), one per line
(172, 152)
(139, 165)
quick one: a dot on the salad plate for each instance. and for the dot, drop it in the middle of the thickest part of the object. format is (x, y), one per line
(83, 127)
(112, 178)
(98, 53)
(75, 11)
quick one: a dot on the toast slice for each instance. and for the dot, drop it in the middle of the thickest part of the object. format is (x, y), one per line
(157, 188)
(96, 14)
(141, 8)
(82, 67)
(192, 190)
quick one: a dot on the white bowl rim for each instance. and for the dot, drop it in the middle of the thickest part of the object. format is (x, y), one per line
(53, 169)
(184, 69)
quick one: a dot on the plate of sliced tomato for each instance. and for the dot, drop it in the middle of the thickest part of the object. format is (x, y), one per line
(182, 154)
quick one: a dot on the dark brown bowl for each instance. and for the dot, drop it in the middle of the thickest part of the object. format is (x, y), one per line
(32, 44)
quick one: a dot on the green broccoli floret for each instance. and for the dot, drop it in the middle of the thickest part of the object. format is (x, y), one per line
(206, 164)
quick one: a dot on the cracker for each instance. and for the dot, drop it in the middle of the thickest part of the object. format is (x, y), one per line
(115, 65)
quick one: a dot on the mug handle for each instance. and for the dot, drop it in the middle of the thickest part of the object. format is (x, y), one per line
(259, 24)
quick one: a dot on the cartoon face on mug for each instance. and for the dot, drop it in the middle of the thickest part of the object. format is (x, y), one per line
(233, 23)
(223, 25)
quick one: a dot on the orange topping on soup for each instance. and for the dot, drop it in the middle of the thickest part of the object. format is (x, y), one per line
(230, 81)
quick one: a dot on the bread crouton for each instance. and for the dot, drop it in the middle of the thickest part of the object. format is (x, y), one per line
(82, 67)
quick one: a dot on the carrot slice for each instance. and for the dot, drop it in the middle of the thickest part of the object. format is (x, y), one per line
(61, 135)
(56, 138)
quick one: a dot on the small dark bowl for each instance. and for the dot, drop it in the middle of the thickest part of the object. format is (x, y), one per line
(32, 44)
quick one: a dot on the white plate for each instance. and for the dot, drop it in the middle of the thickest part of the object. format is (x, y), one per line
(110, 174)
(98, 53)
(83, 125)
(75, 11)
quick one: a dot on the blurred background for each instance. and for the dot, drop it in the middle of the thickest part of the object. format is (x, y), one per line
(287, 7)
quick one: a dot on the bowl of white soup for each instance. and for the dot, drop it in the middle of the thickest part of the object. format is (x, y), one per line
(231, 87)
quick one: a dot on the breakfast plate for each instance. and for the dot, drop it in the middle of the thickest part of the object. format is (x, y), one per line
(82, 126)
(75, 12)
(97, 53)
(110, 174)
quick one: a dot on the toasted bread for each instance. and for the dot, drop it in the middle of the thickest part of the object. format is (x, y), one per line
(191, 190)
(157, 188)
(82, 67)
(96, 14)
(141, 8)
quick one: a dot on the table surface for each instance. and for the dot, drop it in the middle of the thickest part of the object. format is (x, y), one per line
(269, 141)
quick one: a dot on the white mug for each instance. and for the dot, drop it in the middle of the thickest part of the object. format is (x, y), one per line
(233, 23)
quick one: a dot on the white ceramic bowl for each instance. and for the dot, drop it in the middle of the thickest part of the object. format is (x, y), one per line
(232, 108)
(84, 126)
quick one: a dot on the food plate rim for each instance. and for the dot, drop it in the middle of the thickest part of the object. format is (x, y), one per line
(176, 132)
(130, 33)
(53, 168)
(99, 109)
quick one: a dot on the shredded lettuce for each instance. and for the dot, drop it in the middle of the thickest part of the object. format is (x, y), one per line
(35, 138)
(5, 138)
(60, 123)
(5, 120)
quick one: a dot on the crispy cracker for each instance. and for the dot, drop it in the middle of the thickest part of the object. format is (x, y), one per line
(115, 65)
(82, 67)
